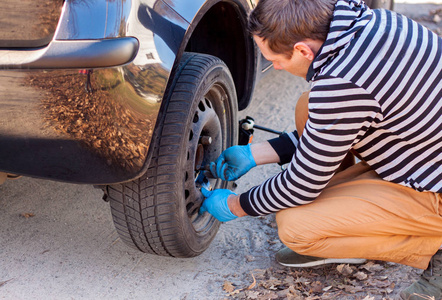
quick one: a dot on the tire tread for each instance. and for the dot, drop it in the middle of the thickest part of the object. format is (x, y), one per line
(142, 209)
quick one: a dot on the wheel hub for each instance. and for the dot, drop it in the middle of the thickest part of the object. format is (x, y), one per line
(205, 145)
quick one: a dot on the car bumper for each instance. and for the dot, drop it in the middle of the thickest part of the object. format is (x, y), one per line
(76, 126)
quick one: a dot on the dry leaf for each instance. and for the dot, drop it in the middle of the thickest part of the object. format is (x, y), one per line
(326, 289)
(27, 215)
(344, 269)
(372, 267)
(316, 287)
(368, 298)
(293, 290)
(250, 258)
(260, 273)
(283, 293)
(269, 295)
(361, 276)
(228, 286)
(253, 283)
(302, 280)
(252, 295)
(377, 283)
(289, 280)
(271, 283)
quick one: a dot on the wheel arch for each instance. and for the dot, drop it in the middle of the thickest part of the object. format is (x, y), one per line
(219, 28)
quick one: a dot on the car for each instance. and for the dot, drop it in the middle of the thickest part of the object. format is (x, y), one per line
(385, 4)
(133, 97)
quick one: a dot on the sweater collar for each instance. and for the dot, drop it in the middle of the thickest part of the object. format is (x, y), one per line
(349, 17)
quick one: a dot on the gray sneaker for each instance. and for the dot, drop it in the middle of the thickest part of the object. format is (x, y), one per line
(430, 283)
(290, 258)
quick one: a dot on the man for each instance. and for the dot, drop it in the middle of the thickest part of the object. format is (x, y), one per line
(375, 91)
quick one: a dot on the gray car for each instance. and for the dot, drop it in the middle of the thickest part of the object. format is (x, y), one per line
(134, 97)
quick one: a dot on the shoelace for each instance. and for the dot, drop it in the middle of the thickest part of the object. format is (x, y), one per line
(431, 266)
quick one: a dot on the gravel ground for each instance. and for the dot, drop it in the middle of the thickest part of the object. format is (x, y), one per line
(58, 241)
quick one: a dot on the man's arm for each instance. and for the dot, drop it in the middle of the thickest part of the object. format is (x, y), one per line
(263, 153)
(223, 203)
(235, 206)
(340, 113)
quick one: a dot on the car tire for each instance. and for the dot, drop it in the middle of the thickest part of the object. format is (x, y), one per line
(158, 213)
(387, 4)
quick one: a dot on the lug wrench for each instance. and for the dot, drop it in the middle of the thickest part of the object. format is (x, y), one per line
(249, 123)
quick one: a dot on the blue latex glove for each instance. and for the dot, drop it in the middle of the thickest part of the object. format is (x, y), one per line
(233, 163)
(216, 204)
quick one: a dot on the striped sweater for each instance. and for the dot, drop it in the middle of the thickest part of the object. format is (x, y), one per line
(376, 89)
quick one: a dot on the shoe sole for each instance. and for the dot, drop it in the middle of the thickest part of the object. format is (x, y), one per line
(326, 261)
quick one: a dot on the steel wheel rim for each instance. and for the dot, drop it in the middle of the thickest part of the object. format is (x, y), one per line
(205, 124)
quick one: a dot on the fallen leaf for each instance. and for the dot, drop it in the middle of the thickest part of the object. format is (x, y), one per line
(316, 287)
(368, 298)
(361, 275)
(250, 258)
(302, 280)
(350, 288)
(260, 273)
(344, 269)
(27, 215)
(283, 293)
(377, 283)
(271, 283)
(326, 289)
(372, 267)
(228, 286)
(293, 290)
(252, 294)
(289, 280)
(253, 283)
(269, 295)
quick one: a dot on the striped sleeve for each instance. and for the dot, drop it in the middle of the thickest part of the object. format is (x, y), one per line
(339, 115)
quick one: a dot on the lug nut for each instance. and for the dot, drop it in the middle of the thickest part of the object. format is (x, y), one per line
(206, 140)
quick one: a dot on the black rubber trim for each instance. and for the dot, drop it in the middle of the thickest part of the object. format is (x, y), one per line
(77, 54)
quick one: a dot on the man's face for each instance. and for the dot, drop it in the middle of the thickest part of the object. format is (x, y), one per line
(297, 65)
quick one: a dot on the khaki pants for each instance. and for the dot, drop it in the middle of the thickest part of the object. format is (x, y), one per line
(360, 215)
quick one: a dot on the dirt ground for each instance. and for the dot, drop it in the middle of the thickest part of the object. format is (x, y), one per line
(58, 241)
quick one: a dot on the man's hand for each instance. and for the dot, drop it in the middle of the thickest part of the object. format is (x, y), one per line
(233, 163)
(216, 204)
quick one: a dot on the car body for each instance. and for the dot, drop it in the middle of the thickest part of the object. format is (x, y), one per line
(131, 96)
(48, 127)
(135, 97)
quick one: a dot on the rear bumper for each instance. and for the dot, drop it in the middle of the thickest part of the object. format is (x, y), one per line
(83, 108)
(52, 126)
(73, 54)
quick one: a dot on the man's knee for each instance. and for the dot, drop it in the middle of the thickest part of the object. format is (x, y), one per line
(301, 112)
(293, 231)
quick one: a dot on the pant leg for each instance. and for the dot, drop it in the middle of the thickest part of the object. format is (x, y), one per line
(359, 215)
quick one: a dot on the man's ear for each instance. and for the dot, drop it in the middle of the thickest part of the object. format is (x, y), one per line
(303, 49)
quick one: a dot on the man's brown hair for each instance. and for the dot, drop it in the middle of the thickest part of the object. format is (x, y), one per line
(283, 23)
